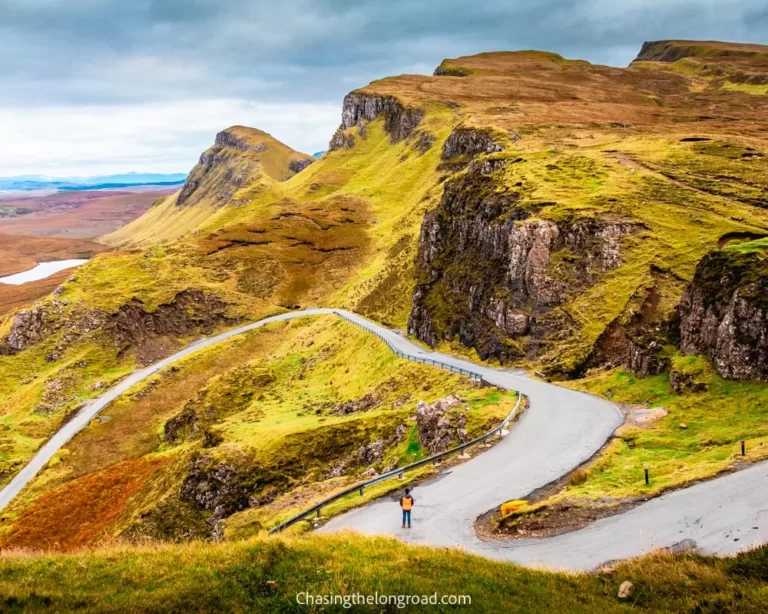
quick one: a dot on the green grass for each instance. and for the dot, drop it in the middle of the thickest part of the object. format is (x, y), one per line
(267, 398)
(266, 575)
(716, 421)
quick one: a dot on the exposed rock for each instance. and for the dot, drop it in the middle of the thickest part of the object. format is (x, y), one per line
(371, 452)
(191, 311)
(423, 141)
(470, 141)
(55, 396)
(625, 590)
(53, 356)
(364, 403)
(217, 176)
(338, 469)
(30, 326)
(685, 382)
(211, 439)
(645, 360)
(182, 426)
(486, 166)
(438, 425)
(341, 140)
(486, 273)
(297, 166)
(724, 314)
(441, 71)
(360, 107)
(227, 139)
(217, 487)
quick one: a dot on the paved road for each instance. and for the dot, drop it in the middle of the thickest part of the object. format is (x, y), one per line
(561, 429)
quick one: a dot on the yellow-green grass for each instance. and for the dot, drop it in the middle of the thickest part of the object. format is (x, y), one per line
(756, 89)
(271, 392)
(267, 575)
(163, 223)
(714, 422)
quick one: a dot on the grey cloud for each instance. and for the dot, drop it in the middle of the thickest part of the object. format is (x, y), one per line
(117, 52)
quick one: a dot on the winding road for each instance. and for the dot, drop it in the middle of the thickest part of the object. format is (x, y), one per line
(561, 429)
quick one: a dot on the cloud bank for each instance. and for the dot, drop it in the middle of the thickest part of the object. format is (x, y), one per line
(95, 86)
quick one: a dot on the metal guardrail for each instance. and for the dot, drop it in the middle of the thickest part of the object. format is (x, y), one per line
(400, 471)
(474, 375)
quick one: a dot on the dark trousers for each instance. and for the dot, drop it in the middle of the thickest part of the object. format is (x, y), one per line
(407, 517)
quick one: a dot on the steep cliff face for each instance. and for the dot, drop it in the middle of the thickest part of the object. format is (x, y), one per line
(236, 159)
(674, 50)
(724, 313)
(470, 141)
(491, 274)
(361, 107)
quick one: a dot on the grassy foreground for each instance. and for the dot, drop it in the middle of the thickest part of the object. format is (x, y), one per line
(266, 575)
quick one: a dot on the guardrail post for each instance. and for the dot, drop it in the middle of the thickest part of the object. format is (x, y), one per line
(402, 476)
(646, 478)
(361, 491)
(318, 512)
(743, 449)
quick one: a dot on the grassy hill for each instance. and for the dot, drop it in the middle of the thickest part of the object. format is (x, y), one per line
(518, 207)
(269, 574)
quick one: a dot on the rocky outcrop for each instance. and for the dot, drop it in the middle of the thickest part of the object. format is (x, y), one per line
(442, 71)
(191, 311)
(221, 172)
(646, 359)
(486, 273)
(360, 107)
(674, 50)
(182, 426)
(46, 319)
(440, 425)
(235, 161)
(217, 487)
(371, 453)
(29, 326)
(724, 314)
(364, 403)
(470, 141)
(227, 139)
(296, 166)
(341, 140)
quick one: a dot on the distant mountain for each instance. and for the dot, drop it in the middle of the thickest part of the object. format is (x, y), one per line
(28, 183)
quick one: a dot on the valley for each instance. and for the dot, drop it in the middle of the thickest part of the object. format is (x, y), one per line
(592, 237)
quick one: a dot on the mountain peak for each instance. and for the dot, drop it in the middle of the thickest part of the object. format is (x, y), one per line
(673, 50)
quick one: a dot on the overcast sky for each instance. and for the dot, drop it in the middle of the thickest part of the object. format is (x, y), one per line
(96, 86)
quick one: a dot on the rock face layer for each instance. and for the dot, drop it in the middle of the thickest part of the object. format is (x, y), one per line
(360, 107)
(235, 160)
(488, 274)
(724, 314)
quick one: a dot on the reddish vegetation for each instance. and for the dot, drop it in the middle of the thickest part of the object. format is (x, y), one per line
(20, 253)
(79, 513)
(81, 215)
(16, 297)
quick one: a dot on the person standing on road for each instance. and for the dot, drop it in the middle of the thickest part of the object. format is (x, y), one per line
(406, 503)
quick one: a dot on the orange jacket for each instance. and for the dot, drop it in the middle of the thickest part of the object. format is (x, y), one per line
(406, 502)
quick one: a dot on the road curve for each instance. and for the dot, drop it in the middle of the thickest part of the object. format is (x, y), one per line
(561, 429)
